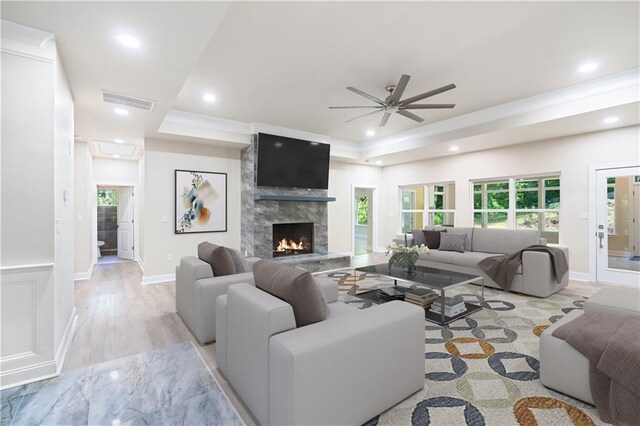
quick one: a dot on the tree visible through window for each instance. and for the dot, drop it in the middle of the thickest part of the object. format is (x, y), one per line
(107, 197)
(611, 206)
(363, 211)
(537, 205)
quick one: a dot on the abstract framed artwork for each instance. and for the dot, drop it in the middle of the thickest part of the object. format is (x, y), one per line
(201, 202)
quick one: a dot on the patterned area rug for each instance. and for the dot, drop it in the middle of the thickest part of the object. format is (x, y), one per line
(483, 369)
(169, 386)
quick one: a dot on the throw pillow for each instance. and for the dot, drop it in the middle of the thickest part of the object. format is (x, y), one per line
(294, 286)
(418, 237)
(218, 257)
(239, 260)
(222, 262)
(205, 249)
(452, 242)
(432, 238)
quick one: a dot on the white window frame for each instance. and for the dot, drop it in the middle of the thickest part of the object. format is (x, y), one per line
(485, 198)
(512, 210)
(426, 211)
(542, 200)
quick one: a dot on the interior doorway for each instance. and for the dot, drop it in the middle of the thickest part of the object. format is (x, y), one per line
(617, 233)
(115, 223)
(363, 223)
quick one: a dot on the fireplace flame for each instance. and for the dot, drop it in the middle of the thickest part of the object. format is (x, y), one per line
(283, 245)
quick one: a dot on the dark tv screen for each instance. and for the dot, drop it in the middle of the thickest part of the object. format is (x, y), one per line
(291, 163)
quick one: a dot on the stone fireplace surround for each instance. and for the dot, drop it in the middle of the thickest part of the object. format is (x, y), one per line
(259, 215)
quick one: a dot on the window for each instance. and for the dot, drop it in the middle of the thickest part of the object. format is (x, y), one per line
(519, 203)
(363, 211)
(427, 205)
(611, 206)
(107, 197)
(491, 204)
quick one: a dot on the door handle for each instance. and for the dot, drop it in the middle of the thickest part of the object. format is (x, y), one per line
(600, 238)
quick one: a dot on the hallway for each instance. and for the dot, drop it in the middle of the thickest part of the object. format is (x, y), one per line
(120, 317)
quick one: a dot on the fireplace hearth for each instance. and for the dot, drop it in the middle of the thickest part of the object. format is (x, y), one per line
(290, 239)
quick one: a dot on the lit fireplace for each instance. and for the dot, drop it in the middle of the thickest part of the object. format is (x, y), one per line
(292, 238)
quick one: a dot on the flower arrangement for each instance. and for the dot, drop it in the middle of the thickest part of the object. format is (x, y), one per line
(404, 256)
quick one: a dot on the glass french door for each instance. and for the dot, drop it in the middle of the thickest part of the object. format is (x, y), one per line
(617, 233)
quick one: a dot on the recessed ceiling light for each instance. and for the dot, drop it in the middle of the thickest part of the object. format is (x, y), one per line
(611, 120)
(371, 132)
(378, 162)
(209, 97)
(118, 141)
(116, 156)
(129, 41)
(588, 67)
(454, 149)
(121, 111)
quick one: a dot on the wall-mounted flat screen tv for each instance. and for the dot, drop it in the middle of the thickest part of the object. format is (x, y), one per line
(291, 163)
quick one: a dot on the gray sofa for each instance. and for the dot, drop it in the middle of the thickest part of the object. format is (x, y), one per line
(196, 293)
(535, 276)
(341, 371)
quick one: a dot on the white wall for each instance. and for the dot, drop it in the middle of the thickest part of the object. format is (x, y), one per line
(27, 161)
(63, 130)
(343, 178)
(161, 160)
(83, 252)
(571, 156)
(114, 171)
(37, 239)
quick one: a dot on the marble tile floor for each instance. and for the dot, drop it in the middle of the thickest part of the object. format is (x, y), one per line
(165, 386)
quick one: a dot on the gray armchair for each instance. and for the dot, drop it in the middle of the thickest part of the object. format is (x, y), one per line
(196, 293)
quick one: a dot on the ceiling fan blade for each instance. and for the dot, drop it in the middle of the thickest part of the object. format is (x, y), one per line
(428, 106)
(428, 94)
(397, 93)
(366, 95)
(364, 115)
(343, 107)
(410, 115)
(385, 118)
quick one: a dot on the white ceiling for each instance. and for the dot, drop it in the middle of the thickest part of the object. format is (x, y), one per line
(173, 36)
(279, 65)
(285, 63)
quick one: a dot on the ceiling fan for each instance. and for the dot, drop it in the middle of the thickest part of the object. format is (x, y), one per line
(393, 103)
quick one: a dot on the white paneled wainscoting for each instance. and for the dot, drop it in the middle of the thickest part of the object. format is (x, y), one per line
(29, 351)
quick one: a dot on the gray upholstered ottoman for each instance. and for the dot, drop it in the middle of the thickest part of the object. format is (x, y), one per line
(561, 367)
(614, 300)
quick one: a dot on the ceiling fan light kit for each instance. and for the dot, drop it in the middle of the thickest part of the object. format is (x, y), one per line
(393, 104)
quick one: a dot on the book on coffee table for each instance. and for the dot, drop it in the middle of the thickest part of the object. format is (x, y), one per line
(452, 307)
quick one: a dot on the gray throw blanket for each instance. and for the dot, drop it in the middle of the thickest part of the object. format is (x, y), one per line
(503, 267)
(611, 343)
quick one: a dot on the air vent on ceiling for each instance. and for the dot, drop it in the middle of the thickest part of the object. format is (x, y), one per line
(130, 101)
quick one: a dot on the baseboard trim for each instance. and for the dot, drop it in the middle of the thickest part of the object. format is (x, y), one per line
(28, 374)
(380, 250)
(346, 253)
(81, 276)
(158, 279)
(65, 342)
(620, 253)
(141, 265)
(579, 276)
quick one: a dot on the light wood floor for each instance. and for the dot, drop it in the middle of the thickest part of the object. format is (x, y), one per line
(119, 317)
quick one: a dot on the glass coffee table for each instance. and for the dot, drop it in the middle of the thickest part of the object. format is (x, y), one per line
(438, 280)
